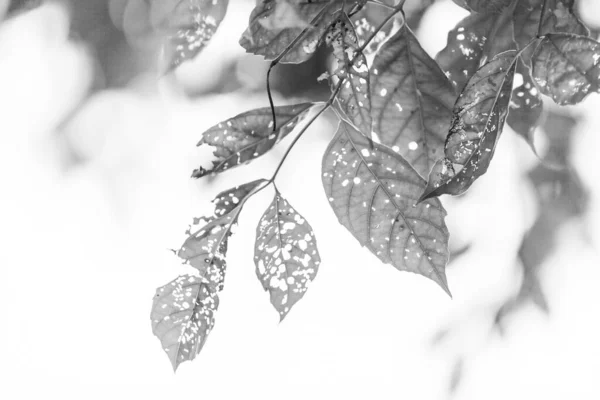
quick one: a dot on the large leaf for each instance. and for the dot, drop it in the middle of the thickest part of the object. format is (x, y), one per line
(187, 26)
(478, 37)
(182, 317)
(373, 192)
(295, 26)
(354, 97)
(566, 67)
(484, 6)
(526, 105)
(249, 135)
(559, 17)
(411, 100)
(206, 248)
(478, 119)
(285, 254)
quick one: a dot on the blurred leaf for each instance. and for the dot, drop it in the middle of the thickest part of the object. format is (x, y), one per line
(295, 25)
(478, 119)
(412, 101)
(285, 254)
(373, 192)
(183, 316)
(249, 135)
(354, 97)
(484, 6)
(566, 67)
(526, 106)
(16, 7)
(187, 25)
(475, 39)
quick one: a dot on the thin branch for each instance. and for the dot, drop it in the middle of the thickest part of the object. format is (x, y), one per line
(540, 26)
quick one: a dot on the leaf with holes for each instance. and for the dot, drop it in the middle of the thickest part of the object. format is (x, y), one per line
(468, 46)
(350, 65)
(566, 67)
(285, 254)
(187, 26)
(526, 106)
(373, 192)
(182, 317)
(559, 17)
(412, 101)
(295, 26)
(484, 6)
(249, 135)
(206, 248)
(477, 122)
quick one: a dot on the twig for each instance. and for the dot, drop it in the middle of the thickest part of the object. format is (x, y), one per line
(540, 26)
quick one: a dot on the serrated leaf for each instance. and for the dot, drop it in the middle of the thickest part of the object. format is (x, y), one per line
(484, 6)
(276, 25)
(566, 67)
(206, 248)
(468, 45)
(477, 122)
(285, 254)
(559, 17)
(354, 97)
(187, 26)
(182, 317)
(373, 192)
(248, 135)
(411, 101)
(526, 106)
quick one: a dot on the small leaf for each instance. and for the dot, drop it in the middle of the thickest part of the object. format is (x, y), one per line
(478, 119)
(276, 25)
(206, 248)
(249, 135)
(484, 6)
(354, 97)
(526, 106)
(373, 192)
(566, 67)
(187, 26)
(468, 45)
(285, 254)
(182, 317)
(412, 101)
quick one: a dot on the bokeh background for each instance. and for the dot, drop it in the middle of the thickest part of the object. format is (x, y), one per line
(96, 150)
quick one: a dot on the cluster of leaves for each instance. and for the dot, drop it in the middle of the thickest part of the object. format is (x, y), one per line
(411, 128)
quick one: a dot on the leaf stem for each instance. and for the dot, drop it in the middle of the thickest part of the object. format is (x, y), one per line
(540, 26)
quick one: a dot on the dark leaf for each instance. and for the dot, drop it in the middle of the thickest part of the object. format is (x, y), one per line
(484, 6)
(478, 119)
(526, 106)
(276, 25)
(16, 7)
(206, 248)
(285, 254)
(566, 67)
(559, 17)
(354, 97)
(373, 192)
(411, 100)
(183, 316)
(475, 39)
(187, 26)
(249, 135)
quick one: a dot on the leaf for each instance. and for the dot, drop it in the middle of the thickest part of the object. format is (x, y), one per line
(566, 67)
(187, 26)
(559, 17)
(477, 122)
(373, 192)
(276, 25)
(16, 7)
(526, 106)
(182, 317)
(468, 45)
(354, 97)
(249, 135)
(411, 100)
(484, 6)
(285, 254)
(206, 248)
